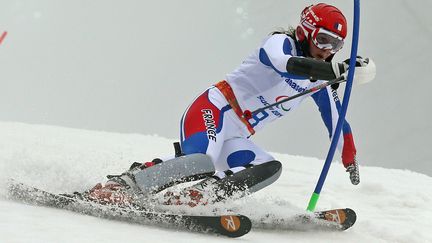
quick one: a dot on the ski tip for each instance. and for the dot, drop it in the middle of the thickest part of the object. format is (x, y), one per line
(351, 218)
(344, 218)
(348, 219)
(350, 211)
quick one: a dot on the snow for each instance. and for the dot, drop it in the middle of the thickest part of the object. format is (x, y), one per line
(392, 205)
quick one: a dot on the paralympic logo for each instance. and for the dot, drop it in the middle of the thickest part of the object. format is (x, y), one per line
(280, 106)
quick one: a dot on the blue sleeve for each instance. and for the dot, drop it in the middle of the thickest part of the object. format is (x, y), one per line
(275, 53)
(329, 106)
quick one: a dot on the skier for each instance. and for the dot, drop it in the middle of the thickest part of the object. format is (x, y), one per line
(219, 123)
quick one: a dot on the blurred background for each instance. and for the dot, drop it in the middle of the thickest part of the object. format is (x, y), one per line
(133, 67)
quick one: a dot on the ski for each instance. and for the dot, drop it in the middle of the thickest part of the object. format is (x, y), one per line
(341, 219)
(227, 225)
(328, 220)
(335, 219)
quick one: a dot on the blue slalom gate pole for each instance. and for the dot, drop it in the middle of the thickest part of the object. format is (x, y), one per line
(356, 23)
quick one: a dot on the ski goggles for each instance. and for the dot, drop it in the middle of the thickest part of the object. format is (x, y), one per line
(327, 40)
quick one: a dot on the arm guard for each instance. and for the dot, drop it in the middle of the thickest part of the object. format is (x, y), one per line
(314, 69)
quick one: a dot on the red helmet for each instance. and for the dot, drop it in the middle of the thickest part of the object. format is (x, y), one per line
(322, 18)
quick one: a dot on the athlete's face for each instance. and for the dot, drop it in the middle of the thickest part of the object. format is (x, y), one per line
(318, 53)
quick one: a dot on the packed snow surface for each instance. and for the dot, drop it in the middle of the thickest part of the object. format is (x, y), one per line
(392, 205)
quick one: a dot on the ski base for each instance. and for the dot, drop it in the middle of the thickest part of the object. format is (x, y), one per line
(227, 225)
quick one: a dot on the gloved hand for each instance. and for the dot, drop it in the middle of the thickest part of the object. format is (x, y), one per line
(353, 170)
(349, 158)
(365, 70)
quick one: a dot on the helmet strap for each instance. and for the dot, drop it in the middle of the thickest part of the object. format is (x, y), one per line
(304, 45)
(330, 58)
(302, 41)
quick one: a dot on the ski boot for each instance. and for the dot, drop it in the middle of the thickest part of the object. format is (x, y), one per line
(119, 190)
(230, 184)
(198, 194)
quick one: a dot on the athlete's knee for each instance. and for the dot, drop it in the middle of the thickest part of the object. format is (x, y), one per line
(196, 143)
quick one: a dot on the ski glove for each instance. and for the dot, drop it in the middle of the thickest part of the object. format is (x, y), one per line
(365, 70)
(353, 170)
